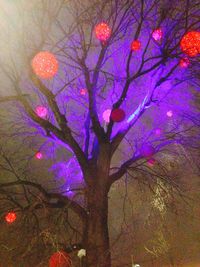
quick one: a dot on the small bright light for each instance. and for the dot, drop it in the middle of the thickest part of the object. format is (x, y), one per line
(39, 155)
(83, 91)
(10, 217)
(151, 162)
(184, 62)
(169, 113)
(41, 111)
(45, 65)
(135, 45)
(106, 115)
(102, 31)
(157, 34)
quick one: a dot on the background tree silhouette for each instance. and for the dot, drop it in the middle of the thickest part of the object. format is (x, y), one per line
(97, 91)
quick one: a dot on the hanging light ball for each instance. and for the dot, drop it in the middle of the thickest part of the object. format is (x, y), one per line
(83, 91)
(157, 34)
(102, 31)
(38, 155)
(106, 115)
(151, 162)
(184, 62)
(169, 113)
(41, 111)
(147, 151)
(60, 259)
(45, 65)
(190, 43)
(135, 45)
(117, 115)
(10, 217)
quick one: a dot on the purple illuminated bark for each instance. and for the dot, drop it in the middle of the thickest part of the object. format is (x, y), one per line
(96, 236)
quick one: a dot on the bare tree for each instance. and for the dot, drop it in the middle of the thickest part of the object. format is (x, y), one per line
(146, 83)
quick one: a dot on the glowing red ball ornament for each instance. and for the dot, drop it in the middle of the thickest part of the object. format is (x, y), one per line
(10, 217)
(157, 34)
(39, 155)
(102, 31)
(184, 62)
(41, 111)
(83, 91)
(151, 162)
(190, 43)
(45, 65)
(60, 259)
(147, 151)
(135, 45)
(118, 115)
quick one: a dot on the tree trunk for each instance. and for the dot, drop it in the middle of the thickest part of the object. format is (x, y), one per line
(96, 234)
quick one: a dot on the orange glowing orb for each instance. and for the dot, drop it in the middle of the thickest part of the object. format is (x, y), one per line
(102, 31)
(45, 65)
(190, 43)
(135, 45)
(60, 259)
(10, 217)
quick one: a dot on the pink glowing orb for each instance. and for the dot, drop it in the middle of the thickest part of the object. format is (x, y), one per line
(106, 115)
(169, 113)
(10, 217)
(102, 31)
(41, 111)
(157, 34)
(190, 43)
(147, 151)
(135, 45)
(184, 62)
(158, 131)
(151, 162)
(118, 115)
(39, 155)
(45, 65)
(83, 91)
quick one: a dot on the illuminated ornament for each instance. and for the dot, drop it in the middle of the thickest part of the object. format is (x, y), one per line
(83, 91)
(157, 34)
(135, 45)
(184, 62)
(169, 113)
(81, 253)
(151, 162)
(102, 31)
(117, 115)
(45, 65)
(158, 131)
(10, 217)
(39, 155)
(41, 111)
(106, 115)
(147, 151)
(60, 259)
(190, 43)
